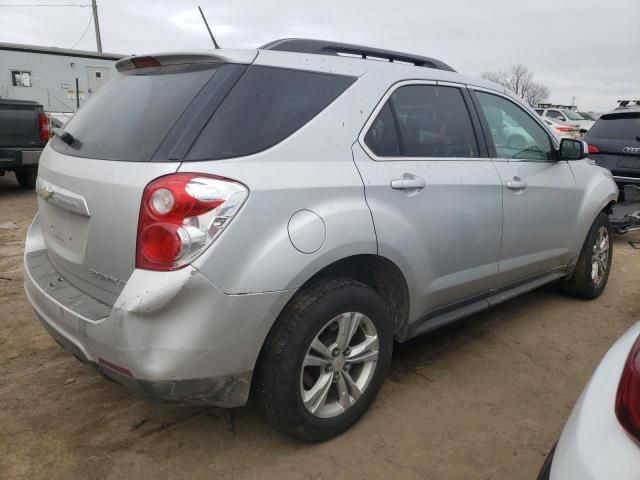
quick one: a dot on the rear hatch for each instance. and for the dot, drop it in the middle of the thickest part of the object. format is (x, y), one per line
(19, 126)
(615, 142)
(135, 129)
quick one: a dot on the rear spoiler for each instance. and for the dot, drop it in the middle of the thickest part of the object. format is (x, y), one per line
(181, 58)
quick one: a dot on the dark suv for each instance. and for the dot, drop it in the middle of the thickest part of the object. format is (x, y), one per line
(614, 143)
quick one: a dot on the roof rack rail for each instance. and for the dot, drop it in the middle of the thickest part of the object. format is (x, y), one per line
(321, 47)
(627, 103)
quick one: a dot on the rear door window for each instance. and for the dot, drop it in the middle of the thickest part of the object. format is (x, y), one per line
(267, 105)
(617, 126)
(130, 116)
(382, 137)
(423, 121)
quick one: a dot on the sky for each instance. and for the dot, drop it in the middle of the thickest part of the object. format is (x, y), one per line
(589, 49)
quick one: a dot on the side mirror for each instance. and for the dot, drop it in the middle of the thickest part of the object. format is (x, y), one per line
(571, 149)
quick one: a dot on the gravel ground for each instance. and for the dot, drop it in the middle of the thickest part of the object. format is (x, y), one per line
(482, 399)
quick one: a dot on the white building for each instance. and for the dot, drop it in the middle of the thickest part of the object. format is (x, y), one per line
(48, 75)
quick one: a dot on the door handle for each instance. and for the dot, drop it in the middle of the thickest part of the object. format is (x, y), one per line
(516, 184)
(408, 182)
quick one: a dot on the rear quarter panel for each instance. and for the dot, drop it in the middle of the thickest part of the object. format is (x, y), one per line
(311, 170)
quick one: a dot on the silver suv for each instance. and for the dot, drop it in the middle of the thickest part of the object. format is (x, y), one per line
(271, 220)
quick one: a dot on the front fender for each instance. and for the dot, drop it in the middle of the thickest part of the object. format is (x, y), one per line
(598, 190)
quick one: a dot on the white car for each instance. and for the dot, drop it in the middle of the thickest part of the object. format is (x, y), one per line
(601, 439)
(563, 130)
(567, 116)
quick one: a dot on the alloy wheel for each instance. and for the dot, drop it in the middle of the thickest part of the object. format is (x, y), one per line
(600, 256)
(339, 364)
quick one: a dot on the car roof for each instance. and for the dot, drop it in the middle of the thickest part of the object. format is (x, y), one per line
(634, 109)
(331, 57)
(324, 47)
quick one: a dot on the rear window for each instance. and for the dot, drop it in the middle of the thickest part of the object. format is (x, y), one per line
(131, 115)
(266, 106)
(617, 126)
(423, 121)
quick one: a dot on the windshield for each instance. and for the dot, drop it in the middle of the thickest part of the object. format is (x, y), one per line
(571, 115)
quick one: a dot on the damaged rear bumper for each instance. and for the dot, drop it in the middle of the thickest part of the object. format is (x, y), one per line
(222, 391)
(170, 336)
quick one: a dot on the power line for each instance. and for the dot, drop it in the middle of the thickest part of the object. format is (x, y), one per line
(83, 33)
(42, 5)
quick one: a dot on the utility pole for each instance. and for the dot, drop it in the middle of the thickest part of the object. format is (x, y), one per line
(96, 23)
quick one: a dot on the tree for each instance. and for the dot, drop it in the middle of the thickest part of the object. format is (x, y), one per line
(536, 94)
(519, 79)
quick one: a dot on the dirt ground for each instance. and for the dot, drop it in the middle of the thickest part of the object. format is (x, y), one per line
(482, 399)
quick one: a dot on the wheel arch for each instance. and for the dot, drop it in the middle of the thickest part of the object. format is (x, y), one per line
(378, 272)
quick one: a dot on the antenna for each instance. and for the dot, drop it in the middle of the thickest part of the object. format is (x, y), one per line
(204, 19)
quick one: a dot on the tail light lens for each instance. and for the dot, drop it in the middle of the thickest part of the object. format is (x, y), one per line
(181, 215)
(628, 397)
(593, 149)
(145, 62)
(564, 129)
(43, 124)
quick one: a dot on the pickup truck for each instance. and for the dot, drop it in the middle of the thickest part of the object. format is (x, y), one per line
(24, 131)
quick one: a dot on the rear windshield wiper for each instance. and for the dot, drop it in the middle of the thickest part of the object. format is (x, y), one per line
(66, 137)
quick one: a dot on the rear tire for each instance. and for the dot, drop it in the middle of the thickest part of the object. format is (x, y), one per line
(590, 276)
(27, 177)
(313, 383)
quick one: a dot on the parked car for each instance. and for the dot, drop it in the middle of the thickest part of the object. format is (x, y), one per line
(24, 131)
(567, 116)
(272, 220)
(614, 143)
(589, 116)
(602, 436)
(563, 130)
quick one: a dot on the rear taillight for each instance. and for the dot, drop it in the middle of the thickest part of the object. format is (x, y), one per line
(593, 149)
(628, 397)
(181, 215)
(43, 126)
(564, 129)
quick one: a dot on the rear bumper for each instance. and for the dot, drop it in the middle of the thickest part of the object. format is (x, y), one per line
(183, 340)
(11, 158)
(593, 445)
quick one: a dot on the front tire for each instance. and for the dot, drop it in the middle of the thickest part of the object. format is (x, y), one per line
(590, 276)
(325, 360)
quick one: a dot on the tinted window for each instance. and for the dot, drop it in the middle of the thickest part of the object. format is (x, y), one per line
(617, 126)
(266, 106)
(514, 132)
(130, 116)
(382, 137)
(432, 121)
(539, 112)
